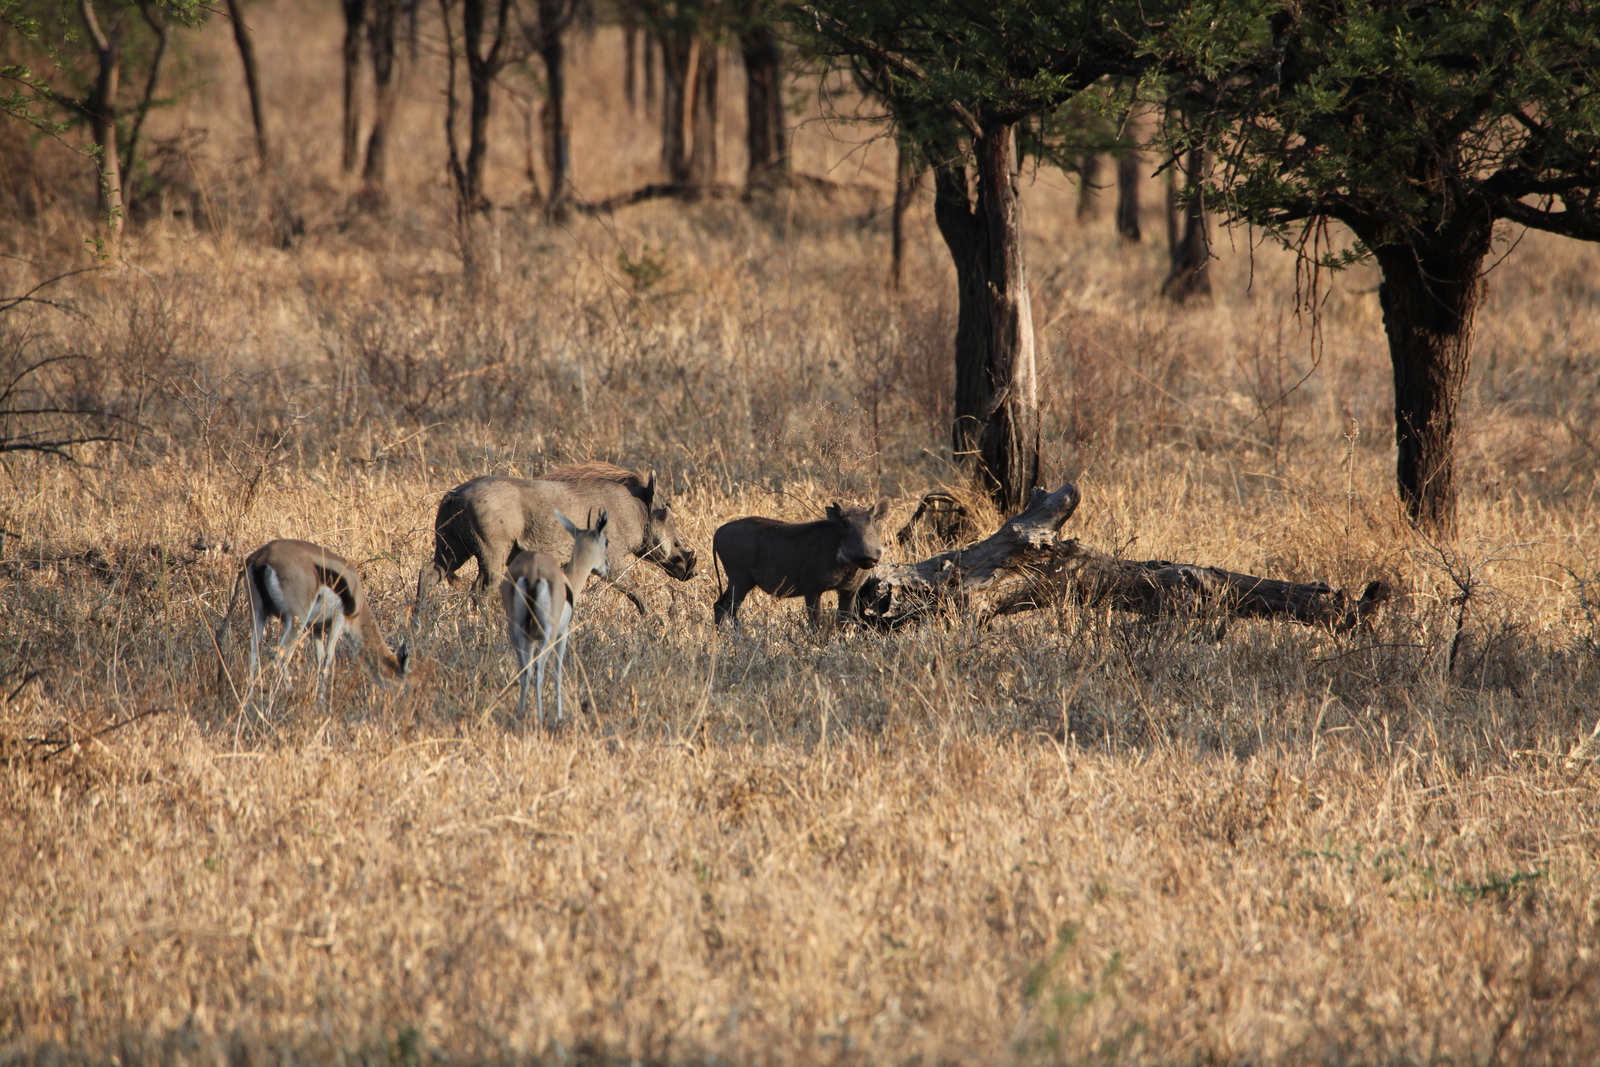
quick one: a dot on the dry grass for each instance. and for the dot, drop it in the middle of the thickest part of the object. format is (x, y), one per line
(1067, 837)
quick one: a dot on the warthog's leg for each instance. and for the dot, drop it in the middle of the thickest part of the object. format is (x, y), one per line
(814, 610)
(847, 605)
(727, 605)
(638, 602)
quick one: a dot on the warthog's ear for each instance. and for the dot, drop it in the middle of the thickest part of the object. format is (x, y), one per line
(650, 490)
(881, 509)
(834, 512)
(566, 523)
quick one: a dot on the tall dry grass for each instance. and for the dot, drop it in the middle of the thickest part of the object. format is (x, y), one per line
(1066, 837)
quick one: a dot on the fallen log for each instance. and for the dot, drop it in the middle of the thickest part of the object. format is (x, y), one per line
(1026, 565)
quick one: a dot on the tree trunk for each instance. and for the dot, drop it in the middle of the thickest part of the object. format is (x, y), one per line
(630, 61)
(997, 393)
(382, 36)
(763, 82)
(1191, 256)
(252, 79)
(675, 57)
(703, 118)
(130, 164)
(1129, 164)
(1088, 185)
(1429, 299)
(649, 45)
(482, 67)
(355, 17)
(688, 108)
(906, 180)
(553, 15)
(102, 108)
(1025, 565)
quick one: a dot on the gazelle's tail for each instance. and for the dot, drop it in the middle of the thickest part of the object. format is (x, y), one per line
(220, 637)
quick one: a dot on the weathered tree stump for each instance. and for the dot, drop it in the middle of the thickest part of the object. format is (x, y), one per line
(1026, 565)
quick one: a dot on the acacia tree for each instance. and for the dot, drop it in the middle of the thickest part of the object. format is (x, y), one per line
(961, 81)
(1419, 126)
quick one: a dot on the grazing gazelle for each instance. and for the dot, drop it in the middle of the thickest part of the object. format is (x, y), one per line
(539, 595)
(310, 588)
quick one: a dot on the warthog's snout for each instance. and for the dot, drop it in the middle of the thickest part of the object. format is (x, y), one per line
(684, 566)
(866, 563)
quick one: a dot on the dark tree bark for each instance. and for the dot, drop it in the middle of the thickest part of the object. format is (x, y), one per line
(483, 65)
(997, 397)
(907, 177)
(1088, 185)
(688, 108)
(1191, 256)
(1026, 565)
(382, 38)
(102, 108)
(649, 45)
(355, 19)
(630, 61)
(765, 137)
(548, 38)
(130, 164)
(1430, 294)
(1129, 164)
(252, 77)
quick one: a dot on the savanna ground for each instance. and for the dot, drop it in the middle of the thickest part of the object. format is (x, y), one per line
(1069, 836)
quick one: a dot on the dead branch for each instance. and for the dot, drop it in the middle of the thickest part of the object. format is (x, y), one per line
(1025, 565)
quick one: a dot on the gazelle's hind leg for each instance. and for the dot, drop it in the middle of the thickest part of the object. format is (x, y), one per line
(563, 628)
(328, 644)
(542, 616)
(517, 631)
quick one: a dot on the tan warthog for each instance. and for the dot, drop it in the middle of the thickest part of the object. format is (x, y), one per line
(492, 518)
(799, 558)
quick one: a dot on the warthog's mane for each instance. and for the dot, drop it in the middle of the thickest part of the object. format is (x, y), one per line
(597, 473)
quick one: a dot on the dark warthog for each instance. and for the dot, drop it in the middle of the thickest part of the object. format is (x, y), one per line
(492, 518)
(799, 558)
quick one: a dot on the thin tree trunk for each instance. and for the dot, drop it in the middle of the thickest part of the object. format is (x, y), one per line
(630, 61)
(102, 108)
(703, 116)
(252, 78)
(452, 104)
(765, 137)
(649, 70)
(997, 399)
(130, 165)
(1088, 185)
(675, 61)
(553, 15)
(906, 180)
(1129, 164)
(1191, 256)
(355, 18)
(382, 37)
(482, 67)
(1429, 301)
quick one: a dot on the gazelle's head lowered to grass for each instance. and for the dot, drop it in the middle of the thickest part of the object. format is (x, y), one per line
(313, 591)
(539, 596)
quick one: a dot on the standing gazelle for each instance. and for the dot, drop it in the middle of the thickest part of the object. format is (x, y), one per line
(310, 588)
(539, 595)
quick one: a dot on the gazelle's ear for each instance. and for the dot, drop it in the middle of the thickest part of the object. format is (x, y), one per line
(881, 509)
(566, 523)
(600, 523)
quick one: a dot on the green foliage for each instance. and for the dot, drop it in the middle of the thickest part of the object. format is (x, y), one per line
(1400, 118)
(46, 60)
